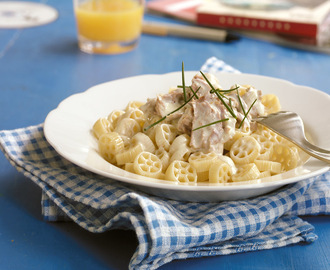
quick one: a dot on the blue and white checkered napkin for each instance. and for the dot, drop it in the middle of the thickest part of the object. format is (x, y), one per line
(166, 229)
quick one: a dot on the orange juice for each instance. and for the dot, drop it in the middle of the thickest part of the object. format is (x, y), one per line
(109, 21)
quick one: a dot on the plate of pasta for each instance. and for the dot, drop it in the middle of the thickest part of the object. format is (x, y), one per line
(190, 136)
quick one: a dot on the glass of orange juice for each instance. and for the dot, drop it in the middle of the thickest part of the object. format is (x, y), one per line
(108, 26)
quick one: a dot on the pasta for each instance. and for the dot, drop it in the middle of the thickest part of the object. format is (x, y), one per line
(245, 150)
(202, 134)
(220, 172)
(145, 141)
(181, 171)
(128, 156)
(165, 135)
(110, 144)
(246, 172)
(101, 126)
(202, 161)
(128, 127)
(147, 164)
(113, 118)
(164, 157)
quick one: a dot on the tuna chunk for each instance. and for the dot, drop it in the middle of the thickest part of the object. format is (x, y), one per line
(200, 84)
(167, 103)
(208, 138)
(185, 121)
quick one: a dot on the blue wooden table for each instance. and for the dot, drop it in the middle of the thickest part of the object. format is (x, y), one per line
(41, 66)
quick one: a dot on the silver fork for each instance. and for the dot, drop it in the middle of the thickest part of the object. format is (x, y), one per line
(290, 125)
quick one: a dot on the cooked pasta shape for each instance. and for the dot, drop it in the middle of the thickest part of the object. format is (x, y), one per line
(269, 134)
(202, 161)
(147, 164)
(128, 127)
(127, 141)
(178, 142)
(100, 127)
(242, 89)
(271, 103)
(145, 141)
(134, 105)
(165, 135)
(238, 134)
(110, 144)
(230, 163)
(264, 174)
(181, 171)
(164, 157)
(266, 150)
(245, 129)
(135, 114)
(129, 167)
(202, 176)
(113, 118)
(246, 172)
(220, 172)
(272, 166)
(128, 155)
(245, 150)
(151, 134)
(181, 153)
(286, 155)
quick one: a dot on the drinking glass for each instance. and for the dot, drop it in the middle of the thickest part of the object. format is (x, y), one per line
(108, 26)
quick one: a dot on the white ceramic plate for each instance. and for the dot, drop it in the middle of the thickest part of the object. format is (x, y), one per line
(17, 14)
(68, 130)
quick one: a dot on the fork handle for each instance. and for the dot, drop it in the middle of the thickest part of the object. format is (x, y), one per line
(314, 151)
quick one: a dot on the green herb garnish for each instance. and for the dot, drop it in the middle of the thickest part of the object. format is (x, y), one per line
(212, 123)
(240, 102)
(219, 96)
(183, 83)
(155, 123)
(246, 114)
(225, 91)
(194, 91)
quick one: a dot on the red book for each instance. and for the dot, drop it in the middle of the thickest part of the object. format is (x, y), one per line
(293, 20)
(297, 24)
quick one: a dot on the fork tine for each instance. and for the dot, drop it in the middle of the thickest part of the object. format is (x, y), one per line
(290, 125)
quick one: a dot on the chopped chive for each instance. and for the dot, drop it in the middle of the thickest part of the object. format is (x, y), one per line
(240, 102)
(155, 123)
(245, 115)
(226, 105)
(223, 96)
(194, 91)
(212, 123)
(230, 104)
(230, 90)
(183, 83)
(219, 96)
(226, 91)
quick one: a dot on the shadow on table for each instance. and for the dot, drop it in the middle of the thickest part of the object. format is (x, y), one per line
(67, 46)
(72, 245)
(113, 249)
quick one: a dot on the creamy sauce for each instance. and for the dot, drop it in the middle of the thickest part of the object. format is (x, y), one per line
(206, 111)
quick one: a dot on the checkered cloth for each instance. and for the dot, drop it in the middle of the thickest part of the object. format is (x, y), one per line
(166, 229)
